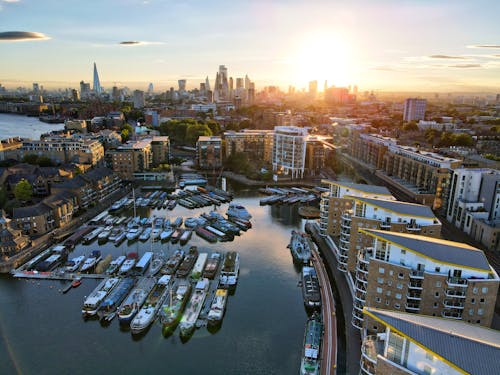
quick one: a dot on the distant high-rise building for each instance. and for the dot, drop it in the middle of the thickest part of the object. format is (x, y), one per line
(247, 82)
(207, 84)
(313, 88)
(115, 93)
(75, 96)
(84, 89)
(36, 89)
(182, 85)
(97, 84)
(325, 86)
(223, 84)
(150, 88)
(138, 99)
(202, 88)
(414, 109)
(239, 83)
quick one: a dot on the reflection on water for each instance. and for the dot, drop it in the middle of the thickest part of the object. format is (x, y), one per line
(261, 332)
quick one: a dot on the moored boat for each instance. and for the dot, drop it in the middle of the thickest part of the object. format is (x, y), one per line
(193, 309)
(300, 247)
(205, 234)
(212, 266)
(188, 262)
(120, 238)
(186, 236)
(310, 288)
(199, 266)
(127, 266)
(108, 307)
(218, 307)
(115, 265)
(173, 262)
(230, 270)
(238, 211)
(92, 302)
(135, 299)
(145, 234)
(310, 363)
(74, 263)
(155, 266)
(171, 311)
(91, 261)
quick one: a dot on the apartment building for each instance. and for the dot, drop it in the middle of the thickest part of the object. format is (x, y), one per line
(388, 215)
(422, 175)
(400, 343)
(11, 240)
(414, 109)
(160, 148)
(289, 151)
(209, 152)
(9, 148)
(256, 144)
(424, 275)
(132, 157)
(339, 198)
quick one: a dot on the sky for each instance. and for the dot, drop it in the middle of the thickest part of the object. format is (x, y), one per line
(387, 45)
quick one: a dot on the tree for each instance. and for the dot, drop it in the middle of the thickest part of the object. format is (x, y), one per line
(44, 161)
(23, 191)
(195, 131)
(30, 159)
(125, 135)
(214, 126)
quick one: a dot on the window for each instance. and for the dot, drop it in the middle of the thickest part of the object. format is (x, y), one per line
(380, 280)
(389, 282)
(427, 370)
(398, 295)
(377, 299)
(481, 300)
(438, 269)
(391, 272)
(429, 357)
(388, 293)
(484, 290)
(381, 270)
(387, 302)
(401, 275)
(435, 305)
(438, 284)
(436, 294)
(397, 306)
(473, 300)
(480, 311)
(403, 252)
(379, 290)
(475, 290)
(471, 311)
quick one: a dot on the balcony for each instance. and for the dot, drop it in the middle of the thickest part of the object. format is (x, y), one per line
(453, 305)
(385, 225)
(414, 296)
(360, 296)
(413, 227)
(412, 307)
(415, 284)
(419, 275)
(457, 282)
(455, 294)
(360, 287)
(357, 321)
(362, 267)
(371, 347)
(452, 314)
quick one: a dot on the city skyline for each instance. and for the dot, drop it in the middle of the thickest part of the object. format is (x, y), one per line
(389, 46)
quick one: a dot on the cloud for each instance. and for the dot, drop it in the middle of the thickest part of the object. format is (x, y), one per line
(447, 57)
(131, 43)
(10, 1)
(494, 46)
(15, 36)
(465, 66)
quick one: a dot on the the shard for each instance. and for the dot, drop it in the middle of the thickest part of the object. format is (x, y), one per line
(97, 85)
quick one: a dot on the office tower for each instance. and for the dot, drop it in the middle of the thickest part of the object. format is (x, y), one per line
(414, 109)
(182, 86)
(36, 88)
(239, 83)
(150, 88)
(138, 99)
(75, 96)
(203, 89)
(231, 85)
(222, 84)
(247, 82)
(97, 84)
(115, 93)
(313, 88)
(84, 89)
(207, 84)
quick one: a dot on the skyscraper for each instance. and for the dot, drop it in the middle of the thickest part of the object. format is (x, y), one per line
(414, 109)
(97, 84)
(182, 85)
(138, 99)
(207, 84)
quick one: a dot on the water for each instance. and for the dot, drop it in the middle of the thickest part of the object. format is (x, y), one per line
(43, 332)
(24, 126)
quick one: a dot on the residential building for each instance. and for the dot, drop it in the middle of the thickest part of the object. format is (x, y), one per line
(160, 148)
(256, 144)
(78, 125)
(132, 157)
(11, 240)
(289, 151)
(373, 213)
(424, 275)
(209, 152)
(422, 175)
(138, 99)
(338, 199)
(414, 109)
(400, 343)
(315, 156)
(9, 148)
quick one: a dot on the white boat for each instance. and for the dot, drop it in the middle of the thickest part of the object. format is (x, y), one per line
(145, 235)
(115, 232)
(149, 310)
(115, 264)
(93, 301)
(135, 299)
(143, 263)
(73, 264)
(166, 234)
(91, 261)
(199, 266)
(186, 236)
(155, 266)
(230, 270)
(134, 233)
(103, 236)
(88, 238)
(194, 307)
(218, 307)
(120, 238)
(126, 266)
(238, 211)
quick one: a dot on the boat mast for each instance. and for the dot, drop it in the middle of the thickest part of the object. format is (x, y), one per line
(133, 195)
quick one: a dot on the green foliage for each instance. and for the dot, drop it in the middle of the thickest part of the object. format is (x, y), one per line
(23, 191)
(449, 139)
(195, 131)
(177, 160)
(42, 161)
(162, 168)
(214, 126)
(410, 127)
(492, 157)
(237, 162)
(125, 134)
(187, 131)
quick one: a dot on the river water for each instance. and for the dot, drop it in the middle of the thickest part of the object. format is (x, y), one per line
(24, 126)
(42, 331)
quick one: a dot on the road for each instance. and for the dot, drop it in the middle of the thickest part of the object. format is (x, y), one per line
(329, 346)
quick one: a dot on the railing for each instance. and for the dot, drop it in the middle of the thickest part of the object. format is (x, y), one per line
(415, 285)
(413, 227)
(371, 347)
(457, 282)
(416, 274)
(412, 307)
(453, 305)
(361, 267)
(360, 287)
(414, 296)
(451, 314)
(455, 294)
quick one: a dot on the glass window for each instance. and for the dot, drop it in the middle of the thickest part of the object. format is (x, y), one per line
(381, 270)
(398, 295)
(484, 290)
(379, 290)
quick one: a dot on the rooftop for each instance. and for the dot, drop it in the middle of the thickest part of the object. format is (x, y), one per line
(371, 189)
(440, 250)
(472, 348)
(411, 209)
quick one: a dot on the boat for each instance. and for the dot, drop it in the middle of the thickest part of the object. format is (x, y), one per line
(166, 234)
(218, 307)
(310, 288)
(156, 265)
(191, 222)
(194, 307)
(177, 223)
(146, 234)
(171, 204)
(205, 234)
(230, 270)
(115, 265)
(219, 234)
(127, 266)
(92, 302)
(211, 266)
(103, 236)
(108, 307)
(188, 262)
(173, 262)
(176, 235)
(300, 247)
(115, 232)
(134, 233)
(157, 228)
(89, 237)
(91, 261)
(238, 211)
(171, 311)
(186, 236)
(135, 299)
(76, 282)
(143, 263)
(148, 311)
(310, 363)
(120, 238)
(199, 266)
(74, 263)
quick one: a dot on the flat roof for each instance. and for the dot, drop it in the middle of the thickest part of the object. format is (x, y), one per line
(437, 249)
(412, 209)
(472, 348)
(372, 189)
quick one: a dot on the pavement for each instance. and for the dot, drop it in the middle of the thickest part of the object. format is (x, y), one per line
(348, 337)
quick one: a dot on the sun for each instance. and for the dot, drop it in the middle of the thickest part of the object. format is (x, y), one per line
(322, 56)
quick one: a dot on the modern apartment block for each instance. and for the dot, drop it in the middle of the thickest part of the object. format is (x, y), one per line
(132, 157)
(424, 275)
(474, 204)
(400, 343)
(209, 152)
(160, 148)
(256, 144)
(289, 151)
(372, 213)
(422, 175)
(339, 198)
(414, 109)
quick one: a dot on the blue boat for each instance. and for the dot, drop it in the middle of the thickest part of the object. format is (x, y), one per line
(107, 308)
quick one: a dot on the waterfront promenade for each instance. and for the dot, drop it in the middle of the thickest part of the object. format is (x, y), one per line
(329, 347)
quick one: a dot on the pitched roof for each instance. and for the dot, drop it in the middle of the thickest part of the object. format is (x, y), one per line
(441, 250)
(473, 348)
(29, 211)
(404, 208)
